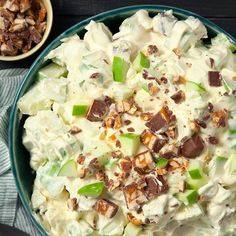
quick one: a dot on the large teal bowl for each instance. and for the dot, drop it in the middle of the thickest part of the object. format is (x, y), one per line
(24, 176)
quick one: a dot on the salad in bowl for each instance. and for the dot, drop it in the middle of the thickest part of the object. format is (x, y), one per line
(133, 133)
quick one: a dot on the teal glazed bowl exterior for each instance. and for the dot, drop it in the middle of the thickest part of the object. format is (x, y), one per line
(19, 156)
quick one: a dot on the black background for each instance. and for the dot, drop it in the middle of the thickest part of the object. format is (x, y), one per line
(69, 12)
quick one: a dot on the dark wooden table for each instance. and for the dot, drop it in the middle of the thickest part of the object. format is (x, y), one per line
(69, 12)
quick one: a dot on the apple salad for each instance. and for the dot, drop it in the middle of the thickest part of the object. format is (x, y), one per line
(134, 133)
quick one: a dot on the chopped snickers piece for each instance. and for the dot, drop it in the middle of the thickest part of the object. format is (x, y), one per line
(146, 116)
(163, 118)
(219, 118)
(214, 78)
(134, 196)
(172, 132)
(151, 141)
(122, 106)
(192, 147)
(108, 100)
(155, 186)
(169, 151)
(106, 208)
(72, 203)
(178, 97)
(125, 164)
(143, 163)
(97, 111)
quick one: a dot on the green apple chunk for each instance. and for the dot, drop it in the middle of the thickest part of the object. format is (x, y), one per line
(80, 110)
(140, 62)
(189, 197)
(132, 230)
(161, 162)
(52, 70)
(129, 143)
(230, 165)
(69, 169)
(119, 69)
(190, 85)
(195, 169)
(196, 183)
(92, 190)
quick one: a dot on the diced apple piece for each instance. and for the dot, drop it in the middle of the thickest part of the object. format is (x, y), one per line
(132, 230)
(140, 62)
(80, 110)
(230, 165)
(119, 68)
(69, 169)
(129, 143)
(92, 190)
(51, 71)
(189, 197)
(196, 183)
(161, 162)
(195, 169)
(190, 85)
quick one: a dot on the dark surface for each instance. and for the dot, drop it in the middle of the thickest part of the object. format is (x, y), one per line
(6, 230)
(69, 12)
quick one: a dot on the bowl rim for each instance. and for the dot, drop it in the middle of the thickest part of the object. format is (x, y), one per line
(57, 41)
(48, 6)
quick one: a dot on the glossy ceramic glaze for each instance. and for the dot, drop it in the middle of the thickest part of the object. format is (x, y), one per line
(24, 176)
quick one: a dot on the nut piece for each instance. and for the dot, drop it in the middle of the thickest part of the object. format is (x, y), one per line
(172, 132)
(125, 164)
(178, 97)
(146, 116)
(106, 208)
(122, 106)
(169, 151)
(134, 196)
(72, 204)
(75, 130)
(151, 141)
(219, 118)
(143, 163)
(113, 120)
(133, 220)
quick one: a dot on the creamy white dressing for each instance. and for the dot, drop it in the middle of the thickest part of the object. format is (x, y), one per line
(47, 136)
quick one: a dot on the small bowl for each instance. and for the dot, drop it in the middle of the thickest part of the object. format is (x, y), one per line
(19, 156)
(48, 6)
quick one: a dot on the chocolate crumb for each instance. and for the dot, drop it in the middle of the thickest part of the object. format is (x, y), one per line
(130, 129)
(210, 107)
(164, 80)
(118, 144)
(201, 123)
(213, 140)
(178, 97)
(127, 122)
